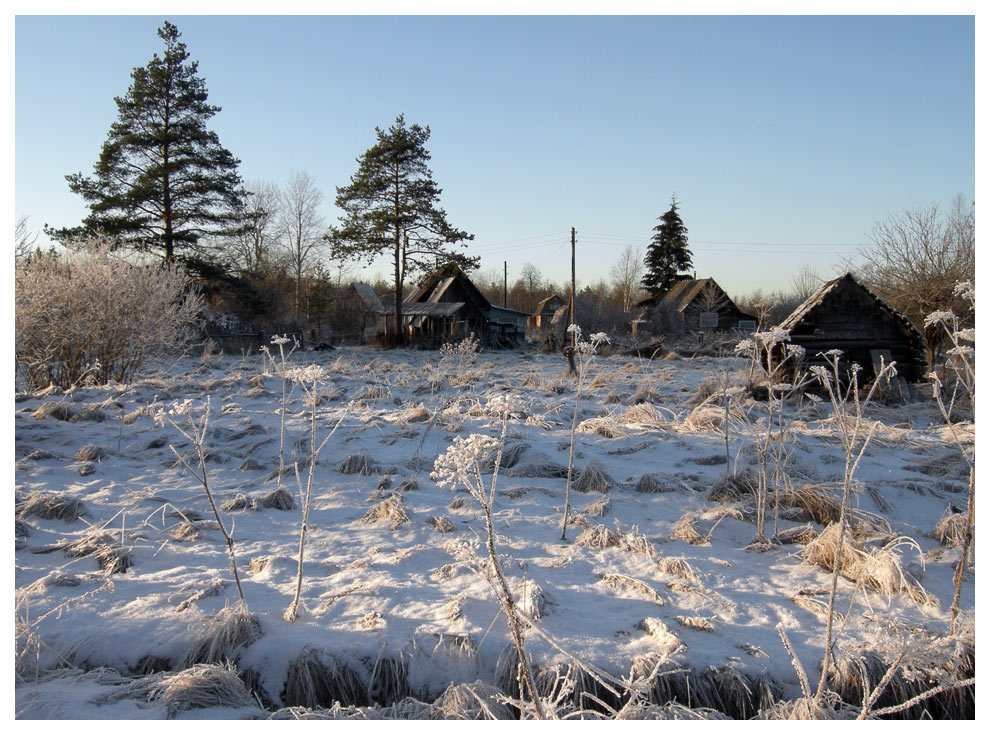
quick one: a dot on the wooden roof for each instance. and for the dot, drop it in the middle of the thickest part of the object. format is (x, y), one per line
(820, 296)
(369, 298)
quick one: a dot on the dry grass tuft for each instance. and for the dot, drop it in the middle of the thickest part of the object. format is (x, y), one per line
(645, 393)
(651, 483)
(440, 523)
(55, 409)
(645, 414)
(280, 499)
(621, 583)
(598, 537)
(356, 464)
(686, 530)
(202, 685)
(390, 510)
(879, 570)
(91, 453)
(310, 682)
(600, 507)
(593, 479)
(606, 426)
(222, 634)
(50, 506)
(545, 469)
(695, 622)
(414, 414)
(736, 486)
(797, 535)
(534, 600)
(950, 530)
(677, 567)
(239, 502)
(407, 486)
(372, 392)
(816, 502)
(510, 458)
(474, 701)
(666, 640)
(102, 546)
(453, 609)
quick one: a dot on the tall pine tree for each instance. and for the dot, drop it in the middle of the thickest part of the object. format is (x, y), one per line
(163, 182)
(667, 254)
(392, 207)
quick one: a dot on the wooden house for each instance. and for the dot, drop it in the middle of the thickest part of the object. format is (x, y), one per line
(447, 306)
(701, 305)
(363, 310)
(543, 314)
(845, 315)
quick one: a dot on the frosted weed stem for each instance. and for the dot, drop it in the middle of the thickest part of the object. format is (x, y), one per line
(198, 437)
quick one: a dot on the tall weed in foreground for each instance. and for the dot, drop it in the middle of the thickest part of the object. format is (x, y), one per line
(195, 433)
(92, 313)
(461, 465)
(960, 366)
(309, 378)
(854, 432)
(281, 369)
(778, 361)
(584, 352)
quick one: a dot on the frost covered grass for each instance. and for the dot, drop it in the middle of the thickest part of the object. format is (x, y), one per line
(400, 612)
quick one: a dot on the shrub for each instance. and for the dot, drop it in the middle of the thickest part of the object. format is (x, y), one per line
(91, 314)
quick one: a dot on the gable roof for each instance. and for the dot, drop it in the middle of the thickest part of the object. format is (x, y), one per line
(684, 293)
(369, 298)
(435, 285)
(819, 297)
(542, 304)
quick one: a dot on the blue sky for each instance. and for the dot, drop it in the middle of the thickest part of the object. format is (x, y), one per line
(784, 138)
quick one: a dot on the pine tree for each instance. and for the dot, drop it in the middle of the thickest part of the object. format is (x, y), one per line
(392, 206)
(667, 254)
(163, 181)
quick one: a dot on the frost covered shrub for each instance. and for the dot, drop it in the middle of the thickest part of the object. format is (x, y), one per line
(92, 314)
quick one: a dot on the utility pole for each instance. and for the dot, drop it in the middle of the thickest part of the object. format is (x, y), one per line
(573, 282)
(505, 284)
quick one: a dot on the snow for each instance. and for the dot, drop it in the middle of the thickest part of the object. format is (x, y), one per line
(381, 589)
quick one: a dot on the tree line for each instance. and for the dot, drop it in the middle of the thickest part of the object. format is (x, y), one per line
(164, 185)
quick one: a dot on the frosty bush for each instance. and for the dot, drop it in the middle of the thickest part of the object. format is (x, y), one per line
(90, 313)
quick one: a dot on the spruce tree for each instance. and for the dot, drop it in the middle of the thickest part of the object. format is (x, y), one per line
(667, 254)
(392, 207)
(163, 182)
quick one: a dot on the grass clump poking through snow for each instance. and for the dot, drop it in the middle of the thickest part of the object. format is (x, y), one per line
(222, 635)
(101, 546)
(879, 570)
(202, 685)
(310, 682)
(593, 479)
(50, 506)
(951, 529)
(390, 510)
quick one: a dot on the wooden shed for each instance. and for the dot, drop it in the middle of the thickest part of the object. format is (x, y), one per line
(844, 314)
(545, 310)
(703, 305)
(448, 306)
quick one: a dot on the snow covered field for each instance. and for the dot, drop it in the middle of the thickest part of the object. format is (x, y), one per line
(114, 594)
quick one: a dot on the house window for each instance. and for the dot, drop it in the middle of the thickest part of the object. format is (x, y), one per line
(708, 319)
(746, 325)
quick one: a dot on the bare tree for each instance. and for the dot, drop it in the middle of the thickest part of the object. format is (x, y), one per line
(303, 226)
(917, 259)
(252, 248)
(626, 275)
(23, 239)
(806, 282)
